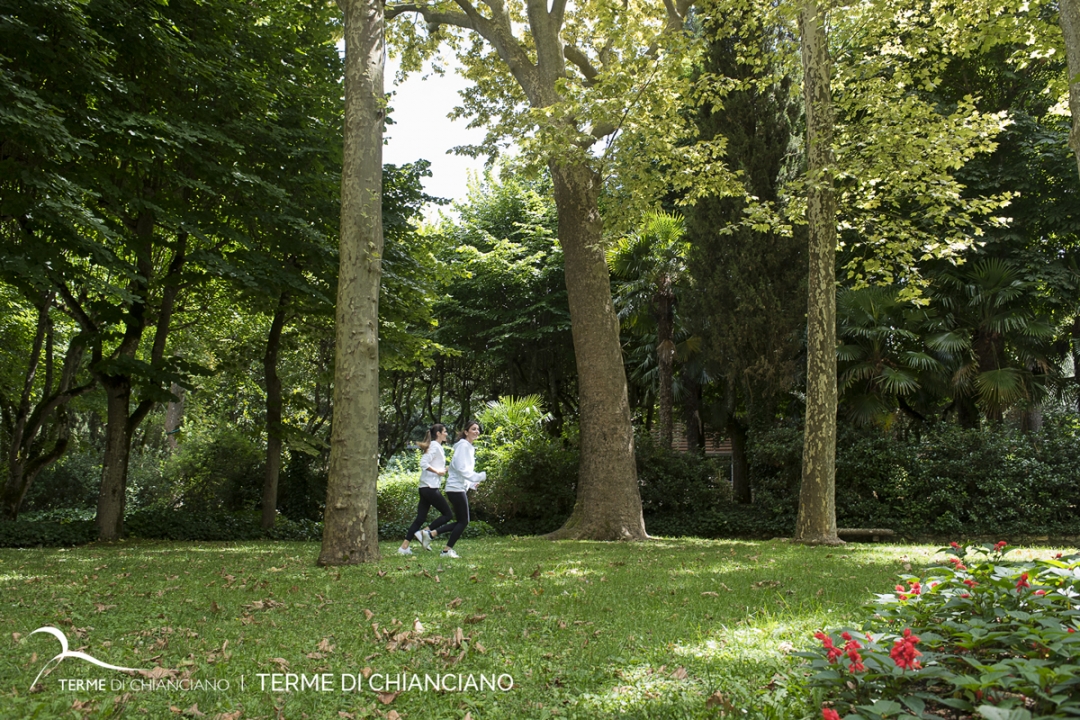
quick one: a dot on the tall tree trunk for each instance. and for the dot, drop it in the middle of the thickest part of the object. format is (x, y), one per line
(665, 361)
(351, 531)
(816, 523)
(608, 505)
(740, 467)
(110, 508)
(1069, 17)
(273, 415)
(122, 420)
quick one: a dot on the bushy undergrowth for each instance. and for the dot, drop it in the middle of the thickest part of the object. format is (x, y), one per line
(947, 481)
(981, 636)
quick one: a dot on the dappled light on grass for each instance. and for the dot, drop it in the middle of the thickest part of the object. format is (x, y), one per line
(578, 625)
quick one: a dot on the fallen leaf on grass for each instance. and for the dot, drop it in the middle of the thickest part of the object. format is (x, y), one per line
(717, 699)
(417, 626)
(194, 711)
(228, 716)
(473, 619)
(325, 646)
(765, 584)
(710, 593)
(452, 604)
(459, 637)
(366, 672)
(386, 698)
(368, 614)
(282, 662)
(381, 573)
(680, 674)
(393, 715)
(83, 706)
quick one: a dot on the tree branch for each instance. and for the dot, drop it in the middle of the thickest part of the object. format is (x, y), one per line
(578, 58)
(432, 17)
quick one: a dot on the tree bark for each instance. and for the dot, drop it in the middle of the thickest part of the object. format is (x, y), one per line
(740, 467)
(110, 508)
(608, 505)
(273, 415)
(350, 532)
(816, 523)
(1069, 18)
(174, 415)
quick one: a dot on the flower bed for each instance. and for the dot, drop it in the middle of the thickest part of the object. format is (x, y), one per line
(978, 637)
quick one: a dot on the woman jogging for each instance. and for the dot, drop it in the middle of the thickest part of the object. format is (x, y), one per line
(432, 468)
(462, 478)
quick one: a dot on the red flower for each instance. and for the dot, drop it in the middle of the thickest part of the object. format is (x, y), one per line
(1072, 630)
(954, 545)
(1023, 582)
(965, 595)
(852, 650)
(1040, 592)
(999, 546)
(829, 714)
(904, 653)
(970, 583)
(832, 653)
(957, 565)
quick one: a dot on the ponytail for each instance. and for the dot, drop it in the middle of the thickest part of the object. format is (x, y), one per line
(432, 433)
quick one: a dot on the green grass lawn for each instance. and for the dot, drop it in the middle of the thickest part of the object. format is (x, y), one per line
(585, 630)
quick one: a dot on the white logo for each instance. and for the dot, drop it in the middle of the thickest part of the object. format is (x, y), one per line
(65, 653)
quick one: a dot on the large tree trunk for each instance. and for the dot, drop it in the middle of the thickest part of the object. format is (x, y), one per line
(174, 415)
(350, 532)
(1069, 17)
(273, 416)
(608, 505)
(816, 523)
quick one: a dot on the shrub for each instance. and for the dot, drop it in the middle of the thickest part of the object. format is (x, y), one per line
(980, 482)
(219, 472)
(980, 634)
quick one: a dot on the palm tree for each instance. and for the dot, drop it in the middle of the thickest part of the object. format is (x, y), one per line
(648, 266)
(987, 315)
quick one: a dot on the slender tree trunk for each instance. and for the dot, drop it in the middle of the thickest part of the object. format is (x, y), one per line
(740, 467)
(816, 523)
(273, 416)
(1069, 17)
(695, 433)
(174, 415)
(608, 505)
(351, 531)
(110, 508)
(665, 361)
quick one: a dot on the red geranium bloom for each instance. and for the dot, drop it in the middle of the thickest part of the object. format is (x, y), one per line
(955, 545)
(999, 546)
(1023, 582)
(970, 583)
(829, 714)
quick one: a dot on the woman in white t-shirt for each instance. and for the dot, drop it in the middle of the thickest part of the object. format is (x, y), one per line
(432, 468)
(462, 477)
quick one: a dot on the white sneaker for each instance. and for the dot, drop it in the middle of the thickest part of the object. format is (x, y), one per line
(449, 552)
(404, 551)
(424, 536)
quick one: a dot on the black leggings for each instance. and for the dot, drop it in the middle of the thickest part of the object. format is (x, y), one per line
(460, 501)
(429, 497)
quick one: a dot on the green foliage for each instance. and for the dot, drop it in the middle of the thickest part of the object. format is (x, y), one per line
(979, 635)
(945, 482)
(212, 472)
(532, 476)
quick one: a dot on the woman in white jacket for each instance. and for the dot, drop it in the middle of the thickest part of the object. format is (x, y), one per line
(432, 468)
(462, 478)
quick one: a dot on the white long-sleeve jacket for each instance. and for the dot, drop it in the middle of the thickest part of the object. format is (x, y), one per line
(463, 475)
(433, 458)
